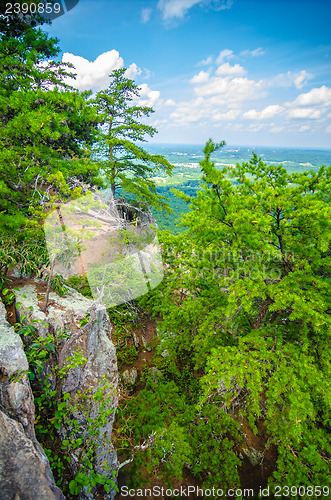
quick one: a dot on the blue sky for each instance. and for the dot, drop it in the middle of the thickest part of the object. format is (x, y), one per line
(250, 72)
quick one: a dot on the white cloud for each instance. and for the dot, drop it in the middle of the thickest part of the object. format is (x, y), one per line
(305, 113)
(227, 69)
(302, 78)
(224, 54)
(254, 53)
(232, 114)
(304, 128)
(170, 102)
(266, 113)
(133, 71)
(205, 62)
(289, 79)
(93, 75)
(178, 8)
(175, 8)
(201, 77)
(146, 15)
(320, 95)
(232, 89)
(148, 97)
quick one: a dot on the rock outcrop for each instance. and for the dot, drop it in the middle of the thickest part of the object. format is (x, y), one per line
(81, 381)
(24, 469)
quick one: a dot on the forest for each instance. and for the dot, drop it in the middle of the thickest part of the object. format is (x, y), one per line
(235, 388)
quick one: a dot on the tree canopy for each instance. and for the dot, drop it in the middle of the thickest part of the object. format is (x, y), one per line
(128, 167)
(46, 131)
(246, 324)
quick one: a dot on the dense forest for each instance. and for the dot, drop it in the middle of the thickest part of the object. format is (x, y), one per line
(241, 352)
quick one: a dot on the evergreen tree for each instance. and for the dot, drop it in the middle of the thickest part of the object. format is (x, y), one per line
(46, 131)
(128, 167)
(247, 301)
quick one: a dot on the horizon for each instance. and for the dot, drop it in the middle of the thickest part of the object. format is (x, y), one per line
(238, 145)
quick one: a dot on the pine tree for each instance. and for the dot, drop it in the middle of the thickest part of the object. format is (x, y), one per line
(129, 168)
(46, 131)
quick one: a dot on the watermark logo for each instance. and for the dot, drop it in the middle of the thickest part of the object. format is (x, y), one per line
(112, 243)
(47, 9)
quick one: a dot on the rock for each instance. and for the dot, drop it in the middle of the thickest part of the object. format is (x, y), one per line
(24, 468)
(94, 343)
(165, 354)
(146, 344)
(16, 398)
(155, 374)
(24, 472)
(130, 376)
(253, 455)
(135, 340)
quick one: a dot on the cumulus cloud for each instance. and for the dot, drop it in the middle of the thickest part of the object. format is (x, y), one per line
(232, 89)
(315, 96)
(223, 55)
(266, 113)
(133, 71)
(148, 97)
(227, 69)
(310, 113)
(93, 75)
(178, 8)
(146, 15)
(201, 77)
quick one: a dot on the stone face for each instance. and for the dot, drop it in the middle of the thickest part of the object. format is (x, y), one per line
(24, 467)
(16, 399)
(130, 376)
(24, 473)
(94, 343)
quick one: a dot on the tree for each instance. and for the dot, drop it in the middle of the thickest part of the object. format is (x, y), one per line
(128, 167)
(27, 53)
(247, 301)
(46, 131)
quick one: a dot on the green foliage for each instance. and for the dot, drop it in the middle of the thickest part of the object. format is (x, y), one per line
(127, 166)
(184, 436)
(246, 313)
(7, 296)
(37, 348)
(126, 355)
(45, 134)
(57, 284)
(80, 283)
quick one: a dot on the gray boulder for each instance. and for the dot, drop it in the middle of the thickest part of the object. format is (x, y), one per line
(24, 469)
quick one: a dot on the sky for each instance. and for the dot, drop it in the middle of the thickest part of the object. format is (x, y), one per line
(250, 72)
